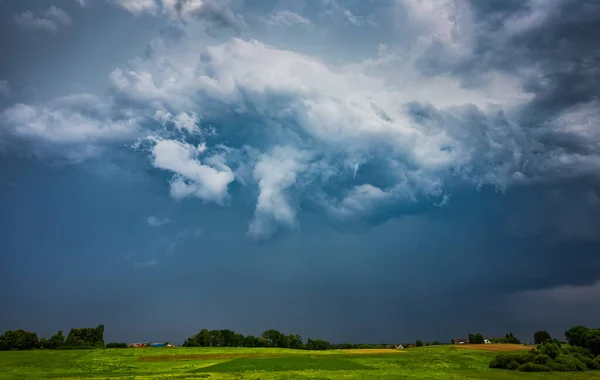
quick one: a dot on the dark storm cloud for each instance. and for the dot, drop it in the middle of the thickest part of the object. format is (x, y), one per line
(557, 40)
(437, 201)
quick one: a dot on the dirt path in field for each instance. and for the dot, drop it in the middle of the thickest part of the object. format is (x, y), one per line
(493, 347)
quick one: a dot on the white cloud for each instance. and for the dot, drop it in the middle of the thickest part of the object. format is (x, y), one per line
(5, 90)
(157, 222)
(67, 120)
(214, 13)
(192, 177)
(80, 2)
(59, 15)
(137, 7)
(76, 125)
(49, 21)
(432, 18)
(275, 173)
(425, 127)
(182, 8)
(360, 201)
(420, 131)
(287, 18)
(183, 121)
(335, 11)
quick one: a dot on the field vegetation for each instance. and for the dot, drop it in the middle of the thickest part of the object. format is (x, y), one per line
(212, 355)
(432, 362)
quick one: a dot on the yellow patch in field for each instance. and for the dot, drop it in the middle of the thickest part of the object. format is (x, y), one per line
(494, 347)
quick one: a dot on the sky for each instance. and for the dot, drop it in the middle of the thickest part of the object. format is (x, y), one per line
(356, 171)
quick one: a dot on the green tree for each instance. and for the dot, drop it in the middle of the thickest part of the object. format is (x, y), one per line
(510, 338)
(238, 340)
(274, 338)
(227, 338)
(295, 342)
(541, 336)
(593, 341)
(317, 344)
(116, 345)
(251, 341)
(576, 336)
(204, 338)
(419, 343)
(18, 340)
(216, 338)
(476, 338)
(56, 341)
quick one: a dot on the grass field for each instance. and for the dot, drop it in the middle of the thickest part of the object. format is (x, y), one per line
(444, 362)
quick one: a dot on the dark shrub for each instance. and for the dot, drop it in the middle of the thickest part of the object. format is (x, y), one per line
(116, 345)
(589, 363)
(542, 359)
(550, 349)
(533, 367)
(593, 341)
(504, 360)
(513, 365)
(567, 363)
(577, 350)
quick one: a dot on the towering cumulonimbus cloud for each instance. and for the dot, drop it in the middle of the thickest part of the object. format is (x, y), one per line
(497, 94)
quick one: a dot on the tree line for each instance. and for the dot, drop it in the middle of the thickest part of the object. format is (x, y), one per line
(508, 338)
(269, 338)
(78, 338)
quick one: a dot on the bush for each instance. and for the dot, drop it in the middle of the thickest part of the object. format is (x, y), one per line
(550, 349)
(533, 367)
(574, 350)
(589, 363)
(513, 365)
(116, 345)
(542, 359)
(504, 360)
(567, 363)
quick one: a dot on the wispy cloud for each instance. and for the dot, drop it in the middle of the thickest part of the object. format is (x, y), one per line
(157, 222)
(49, 21)
(146, 264)
(5, 90)
(137, 7)
(80, 2)
(287, 18)
(190, 232)
(216, 14)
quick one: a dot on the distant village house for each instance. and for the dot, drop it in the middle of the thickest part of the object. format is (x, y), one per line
(146, 344)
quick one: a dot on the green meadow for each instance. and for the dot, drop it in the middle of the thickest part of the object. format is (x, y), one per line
(435, 362)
